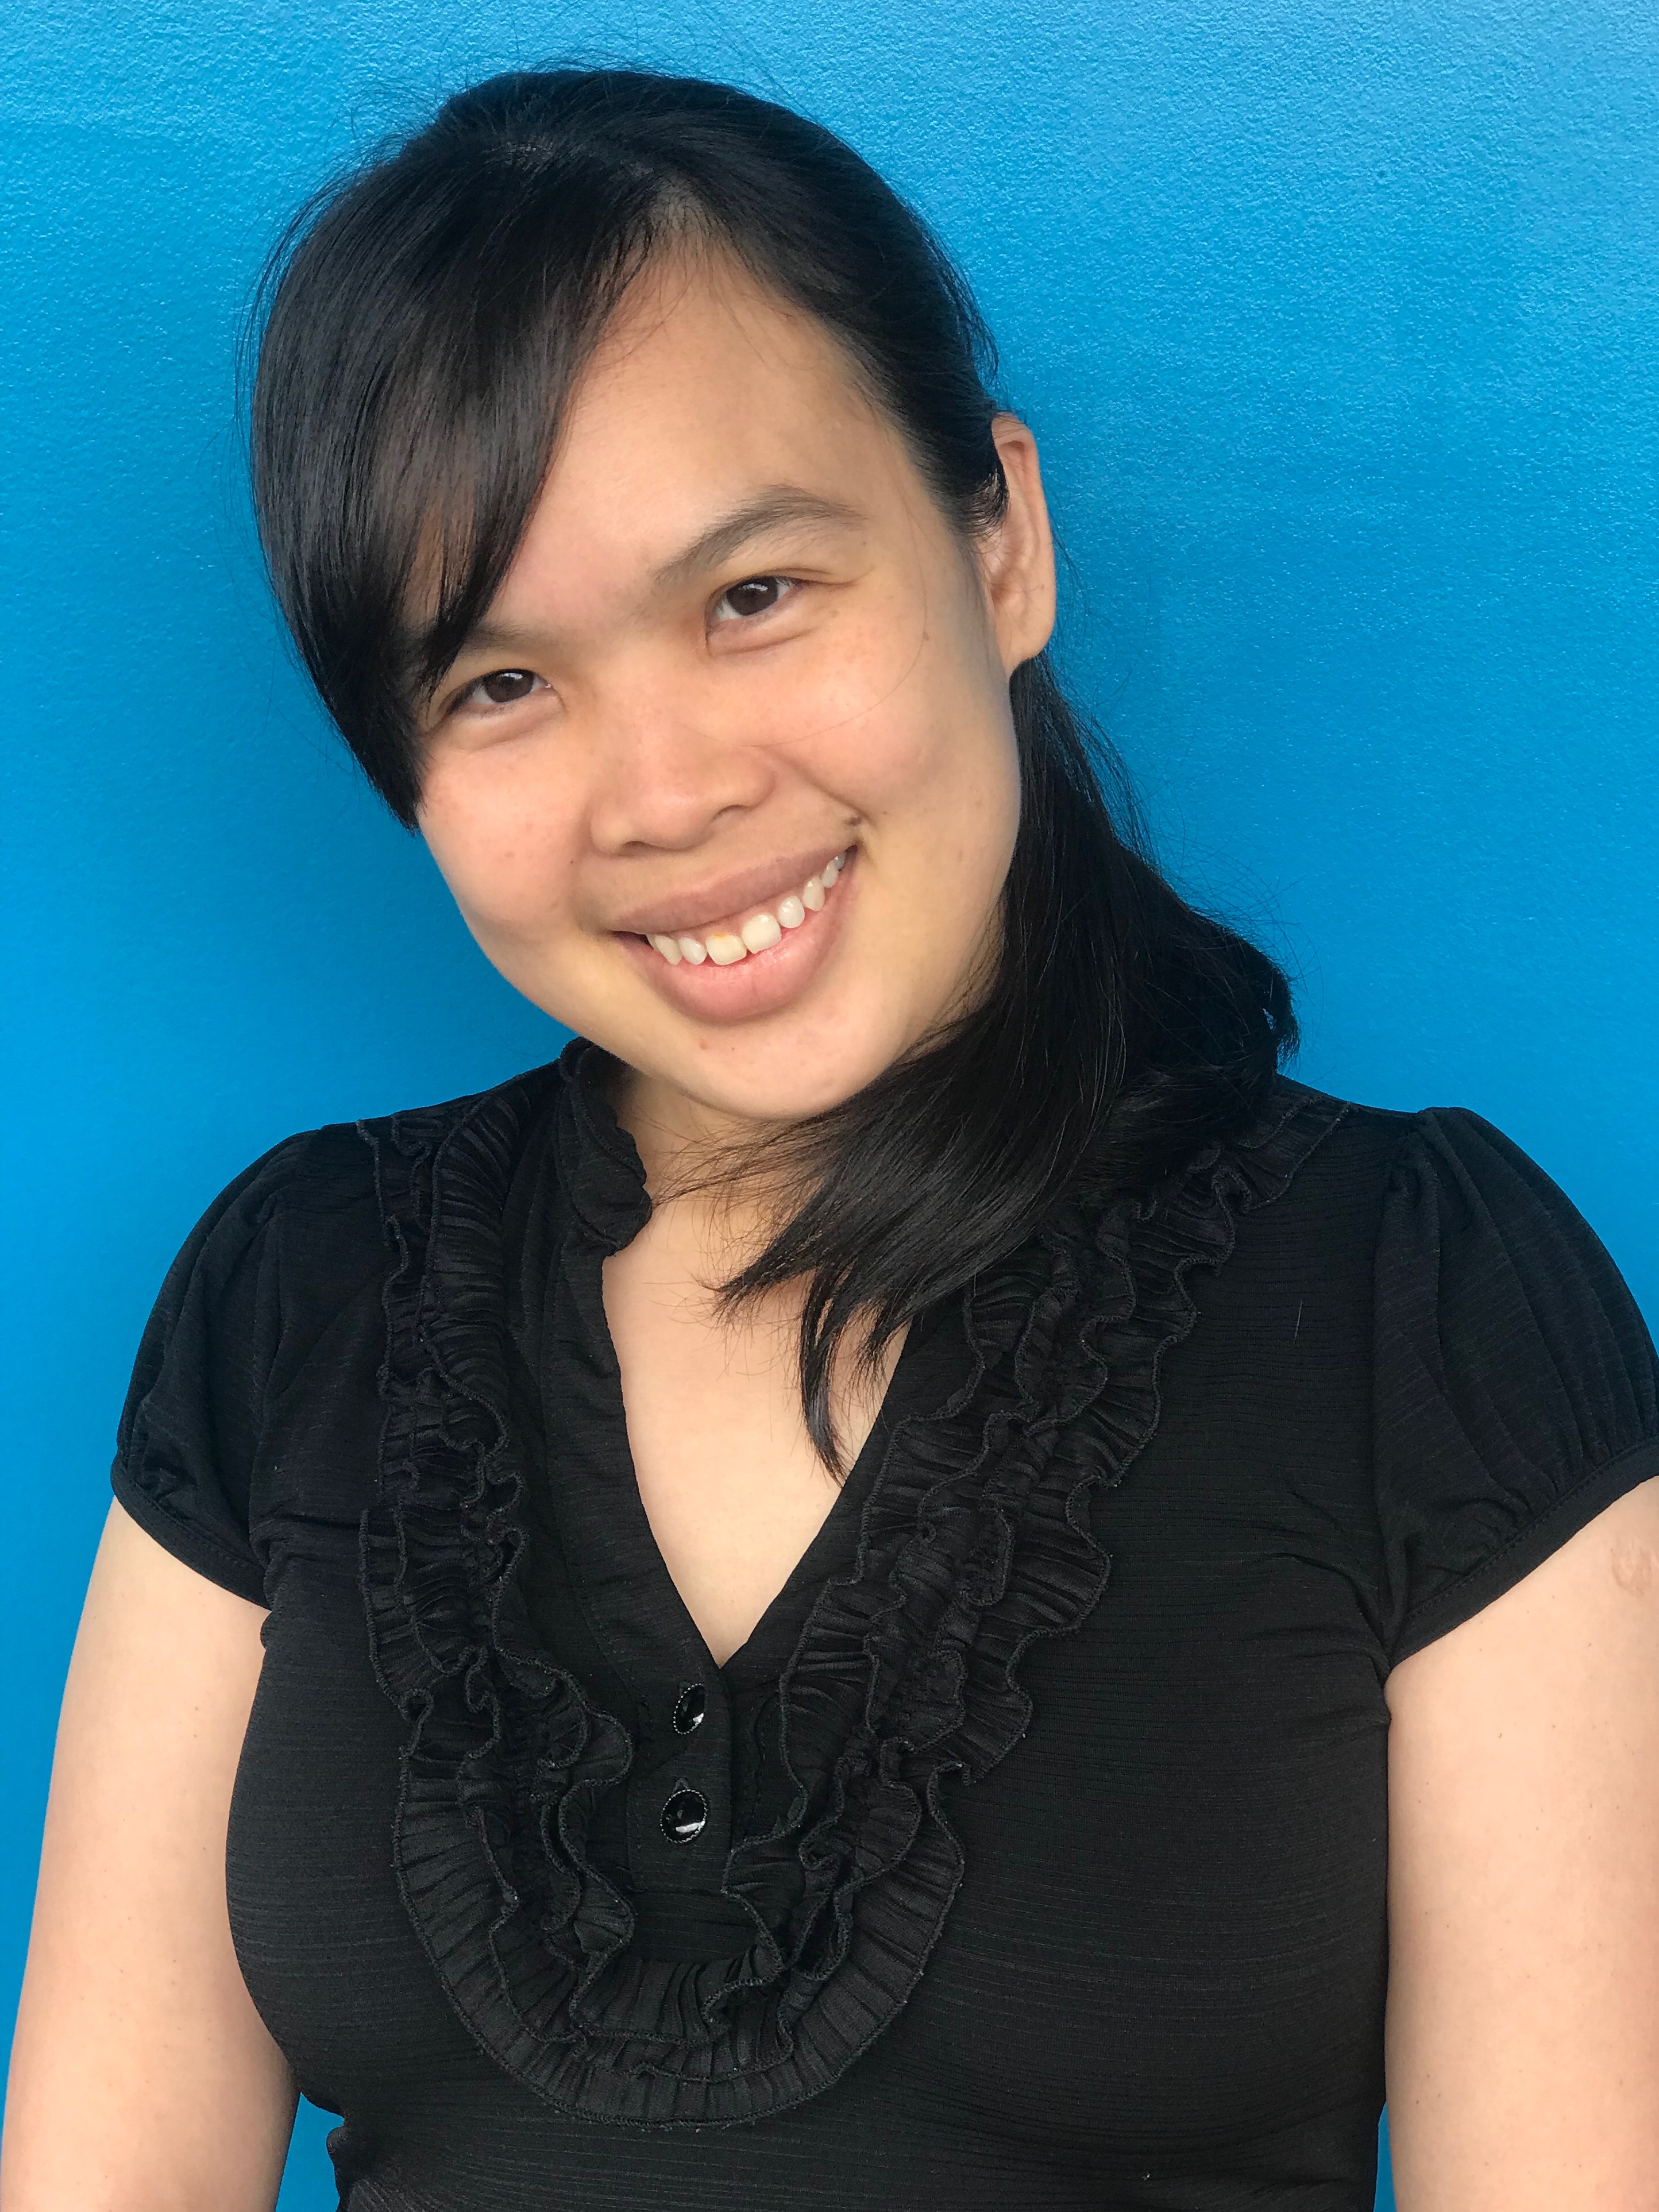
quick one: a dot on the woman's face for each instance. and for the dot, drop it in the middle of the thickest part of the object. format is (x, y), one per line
(738, 643)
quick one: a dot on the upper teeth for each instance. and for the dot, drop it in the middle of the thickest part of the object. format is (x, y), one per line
(761, 930)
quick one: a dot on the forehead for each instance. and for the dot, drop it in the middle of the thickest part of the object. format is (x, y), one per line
(705, 389)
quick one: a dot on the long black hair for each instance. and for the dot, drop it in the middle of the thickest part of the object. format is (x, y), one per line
(423, 323)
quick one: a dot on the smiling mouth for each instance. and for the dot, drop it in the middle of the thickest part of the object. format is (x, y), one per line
(760, 931)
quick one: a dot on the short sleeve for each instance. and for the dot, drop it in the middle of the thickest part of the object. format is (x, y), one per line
(1516, 1387)
(191, 1427)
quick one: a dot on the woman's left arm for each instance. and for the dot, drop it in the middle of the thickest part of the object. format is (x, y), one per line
(1524, 1890)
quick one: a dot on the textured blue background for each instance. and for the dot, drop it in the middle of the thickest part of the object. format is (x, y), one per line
(1338, 323)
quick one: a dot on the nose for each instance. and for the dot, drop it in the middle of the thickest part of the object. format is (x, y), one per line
(667, 776)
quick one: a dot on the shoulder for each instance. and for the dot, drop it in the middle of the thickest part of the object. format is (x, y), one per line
(342, 1170)
(1440, 1277)
(270, 1328)
(1514, 1385)
(1474, 1229)
(1434, 1176)
(313, 1224)
(1483, 1273)
(322, 1171)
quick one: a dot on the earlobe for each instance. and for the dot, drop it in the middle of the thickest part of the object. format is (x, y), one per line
(1018, 561)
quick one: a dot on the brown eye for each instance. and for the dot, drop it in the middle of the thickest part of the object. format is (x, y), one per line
(504, 685)
(755, 595)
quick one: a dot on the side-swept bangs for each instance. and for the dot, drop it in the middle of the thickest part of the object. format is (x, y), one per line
(427, 320)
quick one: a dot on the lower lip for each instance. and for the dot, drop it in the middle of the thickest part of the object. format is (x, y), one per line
(761, 982)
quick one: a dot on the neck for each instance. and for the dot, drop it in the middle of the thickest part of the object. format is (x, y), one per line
(700, 1166)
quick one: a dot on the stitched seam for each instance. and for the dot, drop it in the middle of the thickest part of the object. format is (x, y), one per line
(1524, 1535)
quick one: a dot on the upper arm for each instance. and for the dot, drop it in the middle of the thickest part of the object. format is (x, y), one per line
(142, 2076)
(1523, 1889)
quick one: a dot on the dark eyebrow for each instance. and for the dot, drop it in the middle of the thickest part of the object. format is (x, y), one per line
(772, 510)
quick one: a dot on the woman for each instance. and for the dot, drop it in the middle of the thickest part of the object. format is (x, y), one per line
(909, 1580)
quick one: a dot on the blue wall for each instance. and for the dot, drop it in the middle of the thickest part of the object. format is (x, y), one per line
(1339, 324)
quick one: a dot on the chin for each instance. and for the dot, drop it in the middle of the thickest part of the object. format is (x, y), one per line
(807, 1069)
(777, 1094)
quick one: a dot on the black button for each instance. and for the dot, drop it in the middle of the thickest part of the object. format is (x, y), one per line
(693, 1705)
(685, 1816)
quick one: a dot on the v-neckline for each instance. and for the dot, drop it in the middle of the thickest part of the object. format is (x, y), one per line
(589, 1199)
(628, 1542)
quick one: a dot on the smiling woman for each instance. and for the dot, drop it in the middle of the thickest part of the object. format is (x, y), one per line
(603, 1663)
(633, 488)
(843, 710)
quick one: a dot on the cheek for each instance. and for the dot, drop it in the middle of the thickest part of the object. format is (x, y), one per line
(935, 759)
(867, 690)
(504, 851)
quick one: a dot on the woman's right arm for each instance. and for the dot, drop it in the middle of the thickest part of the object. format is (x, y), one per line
(142, 2078)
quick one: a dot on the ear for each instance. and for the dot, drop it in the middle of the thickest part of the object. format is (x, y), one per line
(1017, 559)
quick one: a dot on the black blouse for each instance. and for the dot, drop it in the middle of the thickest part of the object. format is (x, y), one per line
(1032, 1851)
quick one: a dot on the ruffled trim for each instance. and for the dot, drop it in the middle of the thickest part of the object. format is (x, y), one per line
(974, 1543)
